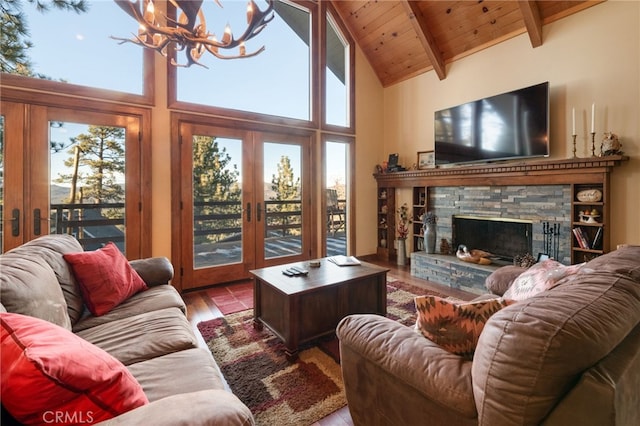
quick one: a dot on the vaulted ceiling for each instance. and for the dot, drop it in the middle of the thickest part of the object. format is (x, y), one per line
(402, 38)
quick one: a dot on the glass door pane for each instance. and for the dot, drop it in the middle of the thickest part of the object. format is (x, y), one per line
(217, 201)
(282, 200)
(87, 183)
(216, 211)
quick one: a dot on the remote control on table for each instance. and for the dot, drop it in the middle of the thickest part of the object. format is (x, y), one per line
(300, 271)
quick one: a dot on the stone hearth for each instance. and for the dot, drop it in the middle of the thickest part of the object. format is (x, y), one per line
(450, 271)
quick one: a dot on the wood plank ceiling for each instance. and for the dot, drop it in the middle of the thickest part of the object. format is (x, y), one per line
(402, 38)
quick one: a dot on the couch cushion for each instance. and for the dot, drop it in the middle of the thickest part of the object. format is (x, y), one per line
(143, 336)
(105, 276)
(532, 352)
(153, 299)
(51, 248)
(622, 261)
(540, 277)
(29, 286)
(47, 370)
(180, 372)
(501, 279)
(455, 325)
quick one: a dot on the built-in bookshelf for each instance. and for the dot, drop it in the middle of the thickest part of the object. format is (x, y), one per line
(386, 223)
(590, 216)
(418, 209)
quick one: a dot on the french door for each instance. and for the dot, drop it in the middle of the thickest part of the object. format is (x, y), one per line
(243, 202)
(71, 171)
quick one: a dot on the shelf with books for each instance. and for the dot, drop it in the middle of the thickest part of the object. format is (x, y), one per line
(590, 215)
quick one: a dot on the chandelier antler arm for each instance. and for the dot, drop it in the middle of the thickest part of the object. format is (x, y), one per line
(191, 9)
(132, 8)
(258, 19)
(189, 31)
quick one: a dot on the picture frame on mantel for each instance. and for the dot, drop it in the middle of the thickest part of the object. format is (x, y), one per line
(426, 160)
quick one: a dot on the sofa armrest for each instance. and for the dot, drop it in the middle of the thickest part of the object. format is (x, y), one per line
(203, 408)
(153, 270)
(409, 357)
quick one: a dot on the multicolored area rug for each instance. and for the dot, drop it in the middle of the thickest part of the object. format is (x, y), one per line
(275, 390)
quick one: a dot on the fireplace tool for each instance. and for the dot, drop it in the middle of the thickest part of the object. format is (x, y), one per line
(551, 239)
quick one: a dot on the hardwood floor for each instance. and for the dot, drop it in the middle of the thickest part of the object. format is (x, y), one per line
(200, 307)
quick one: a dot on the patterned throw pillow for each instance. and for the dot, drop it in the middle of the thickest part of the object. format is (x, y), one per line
(540, 277)
(454, 324)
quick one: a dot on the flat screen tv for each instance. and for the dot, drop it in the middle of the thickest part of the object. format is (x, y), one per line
(501, 127)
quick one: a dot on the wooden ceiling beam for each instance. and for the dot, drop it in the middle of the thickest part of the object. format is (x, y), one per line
(532, 21)
(425, 36)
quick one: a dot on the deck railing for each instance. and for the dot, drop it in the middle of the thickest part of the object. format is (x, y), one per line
(93, 229)
(218, 220)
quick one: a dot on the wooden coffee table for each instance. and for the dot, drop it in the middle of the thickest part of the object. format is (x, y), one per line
(303, 308)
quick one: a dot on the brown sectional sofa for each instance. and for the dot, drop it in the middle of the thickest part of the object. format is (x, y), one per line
(566, 356)
(149, 333)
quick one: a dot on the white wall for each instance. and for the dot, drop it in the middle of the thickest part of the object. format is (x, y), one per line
(592, 56)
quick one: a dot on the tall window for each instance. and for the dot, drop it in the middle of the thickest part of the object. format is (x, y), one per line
(77, 48)
(261, 83)
(337, 81)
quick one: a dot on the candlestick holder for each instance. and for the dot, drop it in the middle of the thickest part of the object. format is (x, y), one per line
(593, 144)
(574, 146)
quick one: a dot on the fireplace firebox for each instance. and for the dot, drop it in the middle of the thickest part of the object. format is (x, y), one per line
(505, 238)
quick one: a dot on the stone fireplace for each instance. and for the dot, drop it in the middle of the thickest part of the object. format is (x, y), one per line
(506, 209)
(539, 194)
(505, 238)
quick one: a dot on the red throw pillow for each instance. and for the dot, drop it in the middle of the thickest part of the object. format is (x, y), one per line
(51, 376)
(105, 277)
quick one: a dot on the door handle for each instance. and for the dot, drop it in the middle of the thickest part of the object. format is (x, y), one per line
(15, 222)
(36, 222)
(248, 212)
(258, 213)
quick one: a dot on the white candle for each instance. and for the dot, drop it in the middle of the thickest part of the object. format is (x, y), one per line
(593, 117)
(573, 120)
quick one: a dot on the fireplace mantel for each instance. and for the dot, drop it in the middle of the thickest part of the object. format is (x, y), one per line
(546, 172)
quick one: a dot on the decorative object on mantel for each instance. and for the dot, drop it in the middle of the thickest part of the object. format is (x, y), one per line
(593, 130)
(429, 225)
(480, 257)
(573, 131)
(610, 145)
(403, 232)
(189, 33)
(524, 260)
(426, 160)
(591, 195)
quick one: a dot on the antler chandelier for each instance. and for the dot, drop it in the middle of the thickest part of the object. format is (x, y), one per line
(189, 33)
